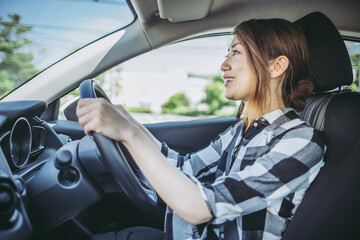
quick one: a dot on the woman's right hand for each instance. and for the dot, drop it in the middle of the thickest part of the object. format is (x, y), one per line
(100, 116)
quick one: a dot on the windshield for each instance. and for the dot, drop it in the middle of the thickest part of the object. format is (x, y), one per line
(35, 34)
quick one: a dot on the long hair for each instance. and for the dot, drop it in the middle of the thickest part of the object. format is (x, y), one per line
(266, 39)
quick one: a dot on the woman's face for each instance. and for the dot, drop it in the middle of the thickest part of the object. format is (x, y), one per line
(238, 77)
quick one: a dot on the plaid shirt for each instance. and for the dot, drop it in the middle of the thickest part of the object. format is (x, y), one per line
(274, 163)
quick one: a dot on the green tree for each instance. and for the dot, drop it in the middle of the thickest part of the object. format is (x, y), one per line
(355, 62)
(214, 95)
(15, 66)
(175, 103)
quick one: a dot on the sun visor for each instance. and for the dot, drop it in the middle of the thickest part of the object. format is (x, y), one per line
(184, 10)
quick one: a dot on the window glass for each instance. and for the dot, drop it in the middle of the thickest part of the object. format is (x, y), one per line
(182, 81)
(35, 34)
(178, 82)
(354, 52)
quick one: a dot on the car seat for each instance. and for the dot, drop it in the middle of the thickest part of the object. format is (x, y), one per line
(331, 206)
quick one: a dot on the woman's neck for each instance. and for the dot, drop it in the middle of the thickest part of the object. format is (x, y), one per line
(253, 112)
(274, 101)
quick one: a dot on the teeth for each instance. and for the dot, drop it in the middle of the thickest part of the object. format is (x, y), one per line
(229, 79)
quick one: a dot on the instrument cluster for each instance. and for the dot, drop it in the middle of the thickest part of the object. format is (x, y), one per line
(23, 143)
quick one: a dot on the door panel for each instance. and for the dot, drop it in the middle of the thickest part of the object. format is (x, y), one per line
(187, 137)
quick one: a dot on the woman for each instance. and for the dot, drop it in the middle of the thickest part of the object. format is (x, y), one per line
(249, 181)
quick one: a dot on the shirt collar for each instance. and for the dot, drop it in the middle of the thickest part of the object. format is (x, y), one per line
(271, 117)
(274, 115)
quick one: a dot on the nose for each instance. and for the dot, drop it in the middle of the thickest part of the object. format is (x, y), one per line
(225, 66)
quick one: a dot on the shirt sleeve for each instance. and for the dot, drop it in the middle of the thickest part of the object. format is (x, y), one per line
(203, 162)
(290, 166)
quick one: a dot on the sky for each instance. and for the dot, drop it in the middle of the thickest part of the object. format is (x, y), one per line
(61, 26)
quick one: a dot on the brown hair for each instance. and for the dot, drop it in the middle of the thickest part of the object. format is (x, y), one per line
(266, 39)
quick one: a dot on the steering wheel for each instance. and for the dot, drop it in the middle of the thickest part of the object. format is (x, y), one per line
(124, 169)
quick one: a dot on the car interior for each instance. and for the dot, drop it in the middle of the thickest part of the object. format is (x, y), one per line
(58, 183)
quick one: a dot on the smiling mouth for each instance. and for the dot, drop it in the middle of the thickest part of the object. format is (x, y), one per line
(228, 80)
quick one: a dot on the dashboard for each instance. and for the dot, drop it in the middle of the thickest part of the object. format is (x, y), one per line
(25, 140)
(24, 143)
(33, 188)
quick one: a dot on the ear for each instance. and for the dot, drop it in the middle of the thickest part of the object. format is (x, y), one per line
(278, 66)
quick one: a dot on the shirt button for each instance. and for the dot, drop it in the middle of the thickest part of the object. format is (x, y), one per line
(255, 124)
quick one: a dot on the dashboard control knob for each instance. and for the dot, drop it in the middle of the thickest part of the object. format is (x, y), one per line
(63, 161)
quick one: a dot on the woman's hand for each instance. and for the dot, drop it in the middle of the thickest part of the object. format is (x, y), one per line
(181, 194)
(100, 116)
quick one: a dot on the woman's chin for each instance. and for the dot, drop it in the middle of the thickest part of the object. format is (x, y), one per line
(228, 95)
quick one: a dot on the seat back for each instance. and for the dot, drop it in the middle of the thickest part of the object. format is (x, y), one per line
(331, 206)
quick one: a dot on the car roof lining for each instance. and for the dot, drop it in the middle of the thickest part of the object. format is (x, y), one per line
(184, 10)
(344, 15)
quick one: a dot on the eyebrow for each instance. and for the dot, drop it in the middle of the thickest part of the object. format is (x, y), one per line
(232, 46)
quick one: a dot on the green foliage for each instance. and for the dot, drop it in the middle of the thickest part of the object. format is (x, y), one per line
(353, 87)
(218, 79)
(180, 103)
(215, 96)
(176, 103)
(15, 67)
(74, 93)
(184, 110)
(140, 110)
(355, 62)
(101, 78)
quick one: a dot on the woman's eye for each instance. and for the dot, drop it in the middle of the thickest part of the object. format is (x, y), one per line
(233, 53)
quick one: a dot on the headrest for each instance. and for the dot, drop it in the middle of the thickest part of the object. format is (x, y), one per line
(329, 58)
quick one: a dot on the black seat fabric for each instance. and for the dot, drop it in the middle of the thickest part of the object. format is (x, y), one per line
(331, 206)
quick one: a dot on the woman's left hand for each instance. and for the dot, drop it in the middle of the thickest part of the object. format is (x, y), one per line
(100, 116)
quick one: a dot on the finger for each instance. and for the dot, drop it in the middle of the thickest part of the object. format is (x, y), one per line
(93, 122)
(86, 101)
(91, 126)
(85, 118)
(89, 101)
(90, 105)
(82, 105)
(85, 109)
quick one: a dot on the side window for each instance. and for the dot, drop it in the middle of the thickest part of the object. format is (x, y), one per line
(354, 53)
(178, 82)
